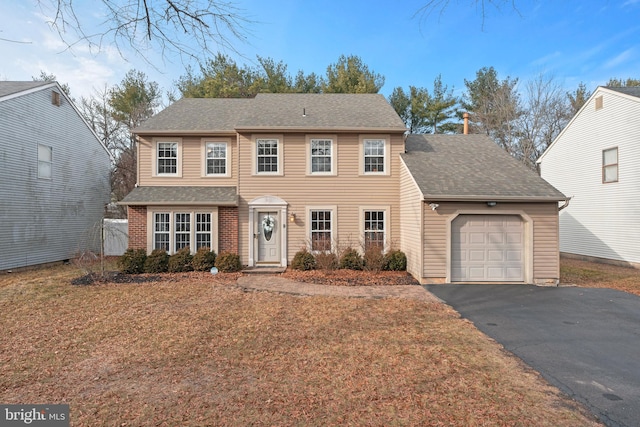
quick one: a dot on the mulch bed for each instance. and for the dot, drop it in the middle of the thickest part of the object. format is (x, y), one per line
(351, 277)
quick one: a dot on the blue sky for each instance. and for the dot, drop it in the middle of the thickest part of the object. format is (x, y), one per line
(575, 41)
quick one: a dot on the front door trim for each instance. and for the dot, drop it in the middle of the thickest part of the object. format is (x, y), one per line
(267, 204)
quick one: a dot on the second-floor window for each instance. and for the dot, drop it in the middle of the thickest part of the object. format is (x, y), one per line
(374, 155)
(610, 165)
(167, 158)
(321, 155)
(45, 161)
(216, 158)
(267, 155)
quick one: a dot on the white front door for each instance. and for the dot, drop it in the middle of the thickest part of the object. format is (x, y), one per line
(268, 232)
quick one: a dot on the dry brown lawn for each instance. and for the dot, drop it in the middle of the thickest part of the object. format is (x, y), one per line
(597, 275)
(193, 350)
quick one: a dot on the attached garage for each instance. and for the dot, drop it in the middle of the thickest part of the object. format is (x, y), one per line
(470, 213)
(487, 248)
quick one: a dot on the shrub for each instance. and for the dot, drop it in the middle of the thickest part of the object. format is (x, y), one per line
(132, 261)
(351, 260)
(228, 262)
(303, 260)
(327, 261)
(395, 260)
(181, 261)
(204, 259)
(157, 262)
(374, 258)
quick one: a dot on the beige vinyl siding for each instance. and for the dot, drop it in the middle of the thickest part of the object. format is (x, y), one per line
(347, 190)
(192, 161)
(411, 234)
(543, 259)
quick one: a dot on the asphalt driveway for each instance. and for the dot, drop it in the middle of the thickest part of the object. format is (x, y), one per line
(584, 341)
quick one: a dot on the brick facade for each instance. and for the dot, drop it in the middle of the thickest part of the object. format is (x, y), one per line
(228, 229)
(137, 227)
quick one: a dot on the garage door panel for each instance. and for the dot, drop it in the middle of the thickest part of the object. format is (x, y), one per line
(495, 255)
(476, 255)
(487, 248)
(476, 238)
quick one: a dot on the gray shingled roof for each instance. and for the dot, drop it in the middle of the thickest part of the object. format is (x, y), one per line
(193, 115)
(227, 196)
(632, 90)
(471, 167)
(9, 88)
(321, 111)
(276, 112)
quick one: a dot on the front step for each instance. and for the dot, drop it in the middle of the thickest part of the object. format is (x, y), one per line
(264, 270)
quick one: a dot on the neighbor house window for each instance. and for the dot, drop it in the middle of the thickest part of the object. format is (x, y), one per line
(610, 165)
(161, 231)
(321, 155)
(182, 230)
(374, 229)
(45, 161)
(203, 230)
(374, 155)
(267, 155)
(167, 157)
(216, 153)
(321, 228)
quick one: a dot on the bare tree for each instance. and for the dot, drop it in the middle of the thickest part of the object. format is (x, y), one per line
(546, 113)
(191, 28)
(440, 6)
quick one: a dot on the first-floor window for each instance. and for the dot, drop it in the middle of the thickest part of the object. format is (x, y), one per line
(182, 231)
(173, 231)
(320, 230)
(373, 229)
(161, 230)
(203, 230)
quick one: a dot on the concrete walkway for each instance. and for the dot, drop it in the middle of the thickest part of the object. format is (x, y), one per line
(271, 283)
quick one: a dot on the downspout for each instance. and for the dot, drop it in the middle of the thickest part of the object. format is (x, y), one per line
(566, 203)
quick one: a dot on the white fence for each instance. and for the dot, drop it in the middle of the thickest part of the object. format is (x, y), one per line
(116, 238)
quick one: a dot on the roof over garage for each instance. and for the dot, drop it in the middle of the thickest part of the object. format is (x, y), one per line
(471, 168)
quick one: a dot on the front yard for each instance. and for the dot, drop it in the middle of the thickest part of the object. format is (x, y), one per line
(191, 349)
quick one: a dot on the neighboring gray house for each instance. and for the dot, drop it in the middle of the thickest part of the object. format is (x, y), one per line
(54, 176)
(595, 161)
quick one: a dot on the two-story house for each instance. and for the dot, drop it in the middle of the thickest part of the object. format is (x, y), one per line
(54, 176)
(595, 161)
(267, 176)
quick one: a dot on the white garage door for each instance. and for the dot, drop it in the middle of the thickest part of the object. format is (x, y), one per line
(487, 248)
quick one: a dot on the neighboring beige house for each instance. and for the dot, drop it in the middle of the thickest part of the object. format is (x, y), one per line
(595, 161)
(265, 177)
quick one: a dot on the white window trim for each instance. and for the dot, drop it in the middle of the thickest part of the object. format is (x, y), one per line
(254, 154)
(387, 212)
(387, 154)
(616, 164)
(334, 225)
(154, 165)
(49, 162)
(204, 142)
(334, 154)
(172, 211)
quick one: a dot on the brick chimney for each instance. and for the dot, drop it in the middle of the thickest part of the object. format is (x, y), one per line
(465, 128)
